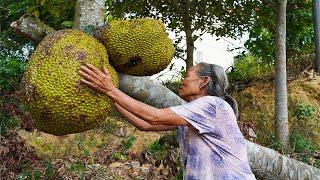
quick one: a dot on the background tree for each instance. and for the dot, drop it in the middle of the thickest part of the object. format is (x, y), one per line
(191, 19)
(316, 22)
(281, 100)
(299, 38)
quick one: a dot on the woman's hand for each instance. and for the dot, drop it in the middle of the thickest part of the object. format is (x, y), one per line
(99, 81)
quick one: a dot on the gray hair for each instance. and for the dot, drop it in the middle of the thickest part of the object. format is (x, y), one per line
(218, 83)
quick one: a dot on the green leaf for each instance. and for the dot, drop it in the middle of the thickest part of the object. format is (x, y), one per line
(42, 2)
(36, 13)
(67, 24)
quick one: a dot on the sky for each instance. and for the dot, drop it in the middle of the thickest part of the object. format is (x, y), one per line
(216, 50)
(208, 49)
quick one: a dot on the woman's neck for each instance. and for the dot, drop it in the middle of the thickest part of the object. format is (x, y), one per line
(191, 98)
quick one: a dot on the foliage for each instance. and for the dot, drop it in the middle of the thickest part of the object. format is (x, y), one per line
(175, 80)
(77, 166)
(122, 153)
(306, 116)
(165, 152)
(119, 156)
(37, 173)
(50, 172)
(157, 150)
(301, 144)
(304, 111)
(56, 13)
(128, 142)
(273, 142)
(167, 142)
(249, 67)
(214, 17)
(6, 123)
(11, 71)
(109, 125)
(299, 29)
(12, 44)
(80, 142)
(303, 149)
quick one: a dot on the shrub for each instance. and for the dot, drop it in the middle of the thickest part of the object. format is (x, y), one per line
(174, 80)
(305, 125)
(249, 67)
(304, 111)
(157, 150)
(128, 142)
(7, 123)
(11, 71)
(300, 144)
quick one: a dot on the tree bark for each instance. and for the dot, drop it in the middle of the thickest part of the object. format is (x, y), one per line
(281, 101)
(32, 28)
(89, 12)
(265, 163)
(316, 25)
(185, 8)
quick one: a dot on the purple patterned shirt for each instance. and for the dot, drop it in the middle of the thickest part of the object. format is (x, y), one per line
(214, 147)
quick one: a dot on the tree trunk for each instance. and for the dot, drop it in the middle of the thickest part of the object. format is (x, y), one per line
(281, 101)
(316, 25)
(265, 162)
(185, 8)
(89, 12)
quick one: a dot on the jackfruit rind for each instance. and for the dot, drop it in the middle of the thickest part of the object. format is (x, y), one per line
(137, 47)
(58, 102)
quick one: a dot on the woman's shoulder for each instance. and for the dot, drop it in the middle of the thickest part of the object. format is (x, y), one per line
(215, 101)
(212, 99)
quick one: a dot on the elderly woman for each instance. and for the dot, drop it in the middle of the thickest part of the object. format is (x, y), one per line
(211, 143)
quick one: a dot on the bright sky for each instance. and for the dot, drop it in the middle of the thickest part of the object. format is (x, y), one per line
(216, 50)
(208, 49)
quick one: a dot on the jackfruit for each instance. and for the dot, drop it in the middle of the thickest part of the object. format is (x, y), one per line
(137, 47)
(58, 102)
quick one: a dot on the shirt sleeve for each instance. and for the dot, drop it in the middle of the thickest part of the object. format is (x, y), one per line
(200, 113)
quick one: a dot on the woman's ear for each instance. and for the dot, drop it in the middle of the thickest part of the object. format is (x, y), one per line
(205, 81)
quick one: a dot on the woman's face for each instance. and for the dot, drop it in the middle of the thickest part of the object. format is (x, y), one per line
(191, 84)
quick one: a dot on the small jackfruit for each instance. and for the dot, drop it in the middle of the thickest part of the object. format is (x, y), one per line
(58, 102)
(138, 47)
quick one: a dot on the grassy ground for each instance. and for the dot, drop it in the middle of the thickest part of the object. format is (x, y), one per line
(256, 105)
(115, 151)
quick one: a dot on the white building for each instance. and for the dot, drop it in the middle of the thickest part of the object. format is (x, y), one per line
(208, 49)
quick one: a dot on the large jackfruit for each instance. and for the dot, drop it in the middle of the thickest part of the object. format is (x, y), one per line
(58, 102)
(137, 47)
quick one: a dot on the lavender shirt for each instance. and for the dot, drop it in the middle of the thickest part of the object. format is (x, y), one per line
(214, 147)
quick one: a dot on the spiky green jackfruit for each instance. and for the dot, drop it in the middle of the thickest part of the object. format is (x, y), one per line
(137, 47)
(58, 102)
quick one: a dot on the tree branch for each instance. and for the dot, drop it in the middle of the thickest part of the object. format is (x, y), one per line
(32, 28)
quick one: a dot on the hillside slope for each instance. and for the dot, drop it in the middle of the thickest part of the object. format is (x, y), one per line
(256, 106)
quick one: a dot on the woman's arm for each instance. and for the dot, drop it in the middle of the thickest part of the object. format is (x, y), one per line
(141, 124)
(101, 82)
(152, 115)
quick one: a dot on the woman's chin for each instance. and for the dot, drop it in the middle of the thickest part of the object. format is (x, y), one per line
(182, 96)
